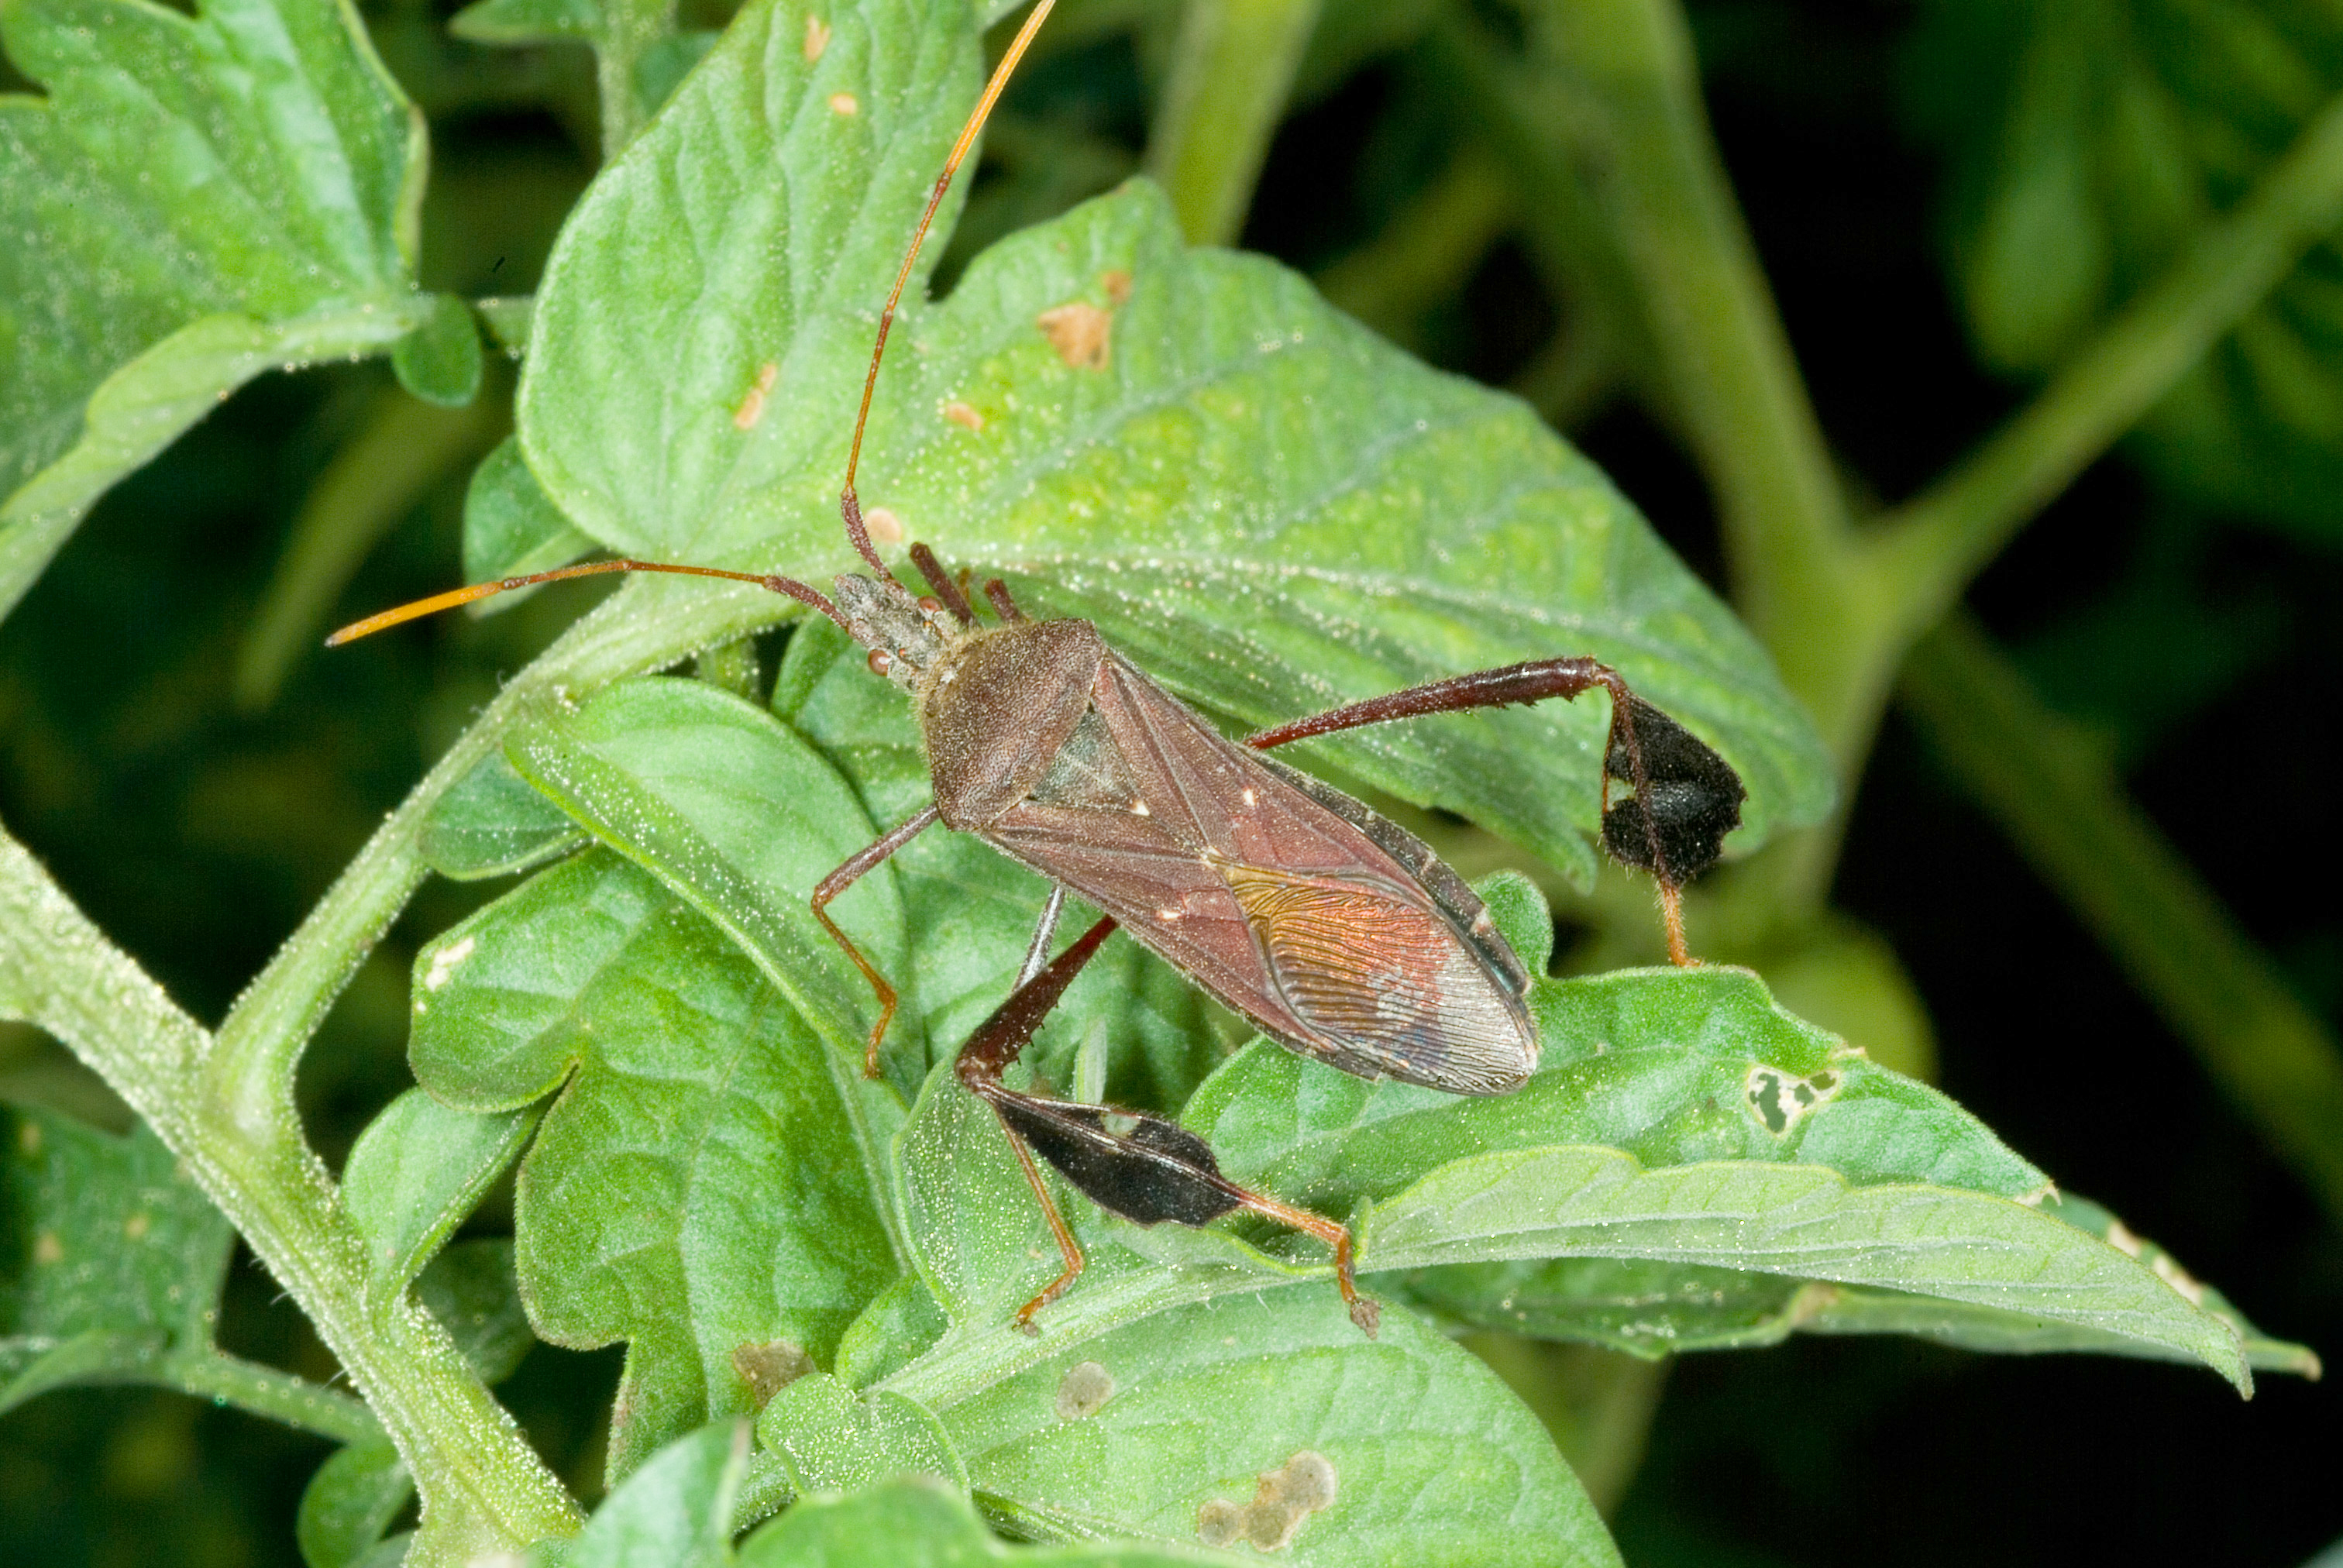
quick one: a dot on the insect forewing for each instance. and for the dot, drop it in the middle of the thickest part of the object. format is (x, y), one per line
(1284, 910)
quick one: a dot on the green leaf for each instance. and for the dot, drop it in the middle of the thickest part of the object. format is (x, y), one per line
(688, 268)
(511, 527)
(440, 360)
(349, 1502)
(196, 200)
(471, 1289)
(1655, 1309)
(1671, 1065)
(829, 1439)
(919, 1524)
(691, 1085)
(1157, 1398)
(676, 1511)
(416, 1172)
(110, 1259)
(904, 1320)
(1262, 504)
(2088, 141)
(741, 817)
(1800, 1221)
(492, 823)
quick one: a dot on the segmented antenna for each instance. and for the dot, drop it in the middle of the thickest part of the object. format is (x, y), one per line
(850, 506)
(454, 596)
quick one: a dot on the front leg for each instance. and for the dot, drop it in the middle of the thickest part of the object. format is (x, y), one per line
(1141, 1168)
(1687, 797)
(844, 877)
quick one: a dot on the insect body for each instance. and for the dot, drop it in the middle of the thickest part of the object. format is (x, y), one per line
(1333, 930)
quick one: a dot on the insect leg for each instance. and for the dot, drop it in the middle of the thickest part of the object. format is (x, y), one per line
(1141, 1167)
(1687, 799)
(1002, 605)
(844, 877)
(1037, 952)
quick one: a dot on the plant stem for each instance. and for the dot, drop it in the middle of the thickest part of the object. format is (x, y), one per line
(266, 1392)
(1935, 543)
(226, 1105)
(1435, 239)
(1841, 610)
(2049, 789)
(489, 1492)
(1233, 65)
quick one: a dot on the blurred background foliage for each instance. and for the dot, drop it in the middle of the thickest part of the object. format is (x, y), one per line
(1952, 200)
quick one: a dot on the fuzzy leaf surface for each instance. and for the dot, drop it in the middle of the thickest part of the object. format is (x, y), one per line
(110, 1260)
(1268, 507)
(705, 1180)
(198, 199)
(1217, 1382)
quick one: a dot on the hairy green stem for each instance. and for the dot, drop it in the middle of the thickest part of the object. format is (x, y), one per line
(1840, 610)
(2049, 789)
(226, 1105)
(1935, 543)
(1231, 68)
(266, 1392)
(487, 1490)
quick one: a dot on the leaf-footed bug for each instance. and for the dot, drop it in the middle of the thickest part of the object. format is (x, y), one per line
(1334, 932)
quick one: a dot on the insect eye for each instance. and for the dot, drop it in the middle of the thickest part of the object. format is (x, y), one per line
(881, 661)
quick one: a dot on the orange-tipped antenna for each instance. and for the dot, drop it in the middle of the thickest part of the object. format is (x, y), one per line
(850, 506)
(454, 596)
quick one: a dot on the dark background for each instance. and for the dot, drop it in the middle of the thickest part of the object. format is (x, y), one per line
(197, 836)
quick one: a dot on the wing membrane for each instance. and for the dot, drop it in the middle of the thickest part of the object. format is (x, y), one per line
(1280, 907)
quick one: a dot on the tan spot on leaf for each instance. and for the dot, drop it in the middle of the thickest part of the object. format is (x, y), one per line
(1117, 285)
(752, 403)
(769, 1368)
(961, 413)
(844, 104)
(134, 1228)
(47, 1249)
(816, 37)
(1086, 1386)
(1078, 331)
(28, 1137)
(883, 526)
(1283, 1499)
